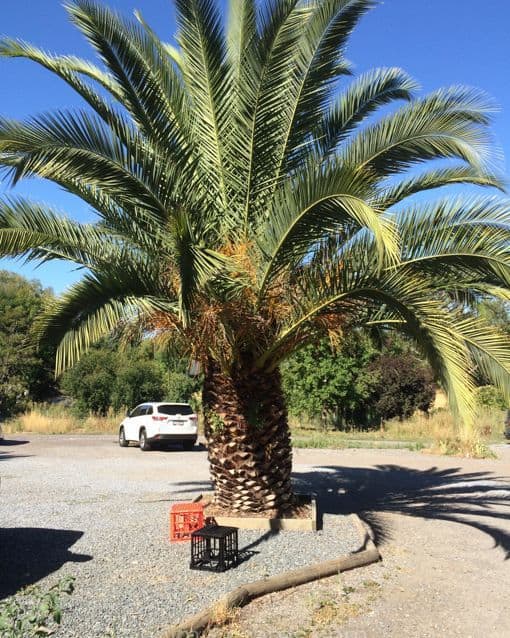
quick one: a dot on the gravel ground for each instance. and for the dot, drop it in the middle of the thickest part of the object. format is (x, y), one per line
(81, 506)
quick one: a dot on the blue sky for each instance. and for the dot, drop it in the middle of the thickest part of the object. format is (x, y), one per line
(439, 42)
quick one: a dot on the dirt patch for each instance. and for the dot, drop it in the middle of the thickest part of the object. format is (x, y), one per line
(443, 529)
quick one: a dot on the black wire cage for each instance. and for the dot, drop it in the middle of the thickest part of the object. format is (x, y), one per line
(214, 548)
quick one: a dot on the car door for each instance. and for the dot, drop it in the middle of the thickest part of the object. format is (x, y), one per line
(131, 424)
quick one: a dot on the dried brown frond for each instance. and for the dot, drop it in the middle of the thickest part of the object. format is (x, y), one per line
(243, 255)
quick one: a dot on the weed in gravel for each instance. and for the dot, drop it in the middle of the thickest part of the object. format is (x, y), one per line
(330, 611)
(326, 613)
(32, 611)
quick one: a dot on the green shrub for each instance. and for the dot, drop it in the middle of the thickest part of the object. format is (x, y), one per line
(488, 396)
(321, 382)
(180, 387)
(90, 382)
(136, 381)
(403, 385)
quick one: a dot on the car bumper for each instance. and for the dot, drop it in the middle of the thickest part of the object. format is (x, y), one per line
(173, 437)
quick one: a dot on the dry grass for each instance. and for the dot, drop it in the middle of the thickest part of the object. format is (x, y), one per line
(437, 433)
(226, 620)
(60, 420)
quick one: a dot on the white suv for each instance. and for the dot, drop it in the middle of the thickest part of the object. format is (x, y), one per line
(159, 423)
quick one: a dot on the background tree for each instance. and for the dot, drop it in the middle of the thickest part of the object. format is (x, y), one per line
(91, 381)
(25, 373)
(401, 385)
(250, 201)
(138, 379)
(357, 385)
(113, 377)
(331, 384)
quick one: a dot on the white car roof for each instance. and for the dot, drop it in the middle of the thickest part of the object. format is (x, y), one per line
(156, 403)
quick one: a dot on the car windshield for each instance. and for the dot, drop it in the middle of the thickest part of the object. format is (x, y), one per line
(172, 408)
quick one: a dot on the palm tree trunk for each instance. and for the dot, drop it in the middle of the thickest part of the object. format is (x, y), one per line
(248, 439)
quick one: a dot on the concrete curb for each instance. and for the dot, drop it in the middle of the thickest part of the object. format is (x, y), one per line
(268, 524)
(195, 625)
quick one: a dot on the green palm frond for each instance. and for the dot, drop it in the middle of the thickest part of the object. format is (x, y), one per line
(90, 310)
(490, 350)
(82, 148)
(365, 95)
(208, 82)
(467, 236)
(243, 52)
(68, 67)
(320, 61)
(40, 233)
(322, 201)
(250, 201)
(277, 78)
(448, 124)
(432, 179)
(151, 91)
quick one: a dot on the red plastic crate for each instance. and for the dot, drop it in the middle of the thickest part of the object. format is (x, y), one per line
(184, 519)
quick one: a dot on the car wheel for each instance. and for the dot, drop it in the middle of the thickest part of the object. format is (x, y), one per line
(144, 441)
(123, 442)
(188, 445)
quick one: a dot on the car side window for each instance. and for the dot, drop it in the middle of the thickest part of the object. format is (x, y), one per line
(135, 412)
(149, 409)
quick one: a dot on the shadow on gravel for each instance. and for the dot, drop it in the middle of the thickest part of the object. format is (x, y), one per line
(28, 554)
(6, 456)
(477, 499)
(191, 487)
(10, 442)
(177, 447)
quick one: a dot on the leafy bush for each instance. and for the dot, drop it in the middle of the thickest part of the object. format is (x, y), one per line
(105, 378)
(403, 385)
(25, 373)
(137, 380)
(488, 396)
(90, 382)
(32, 611)
(180, 387)
(321, 382)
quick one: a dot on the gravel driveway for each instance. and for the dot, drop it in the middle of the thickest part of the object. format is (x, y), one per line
(82, 506)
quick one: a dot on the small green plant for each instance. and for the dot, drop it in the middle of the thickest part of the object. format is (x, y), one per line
(216, 422)
(32, 611)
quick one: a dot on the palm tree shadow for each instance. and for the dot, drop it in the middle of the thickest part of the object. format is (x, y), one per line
(478, 499)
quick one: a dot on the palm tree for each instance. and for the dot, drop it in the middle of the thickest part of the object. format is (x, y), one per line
(250, 202)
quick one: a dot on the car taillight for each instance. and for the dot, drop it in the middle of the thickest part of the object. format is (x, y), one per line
(159, 418)
(193, 417)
